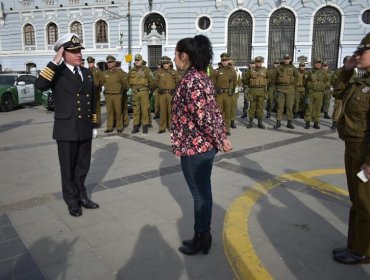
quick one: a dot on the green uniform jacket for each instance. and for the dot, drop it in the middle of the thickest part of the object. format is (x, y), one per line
(225, 78)
(354, 120)
(256, 80)
(167, 79)
(286, 78)
(114, 81)
(317, 81)
(301, 80)
(141, 77)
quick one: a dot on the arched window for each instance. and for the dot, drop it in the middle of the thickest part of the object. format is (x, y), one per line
(52, 33)
(281, 35)
(326, 33)
(101, 31)
(29, 35)
(157, 20)
(239, 39)
(76, 27)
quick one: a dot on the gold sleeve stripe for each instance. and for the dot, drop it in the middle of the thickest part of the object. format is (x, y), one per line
(47, 73)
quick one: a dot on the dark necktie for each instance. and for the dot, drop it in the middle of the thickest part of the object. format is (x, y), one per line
(78, 76)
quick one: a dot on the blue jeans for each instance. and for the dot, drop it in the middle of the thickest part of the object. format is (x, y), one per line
(197, 170)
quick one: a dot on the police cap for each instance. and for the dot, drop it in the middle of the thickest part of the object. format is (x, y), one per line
(287, 56)
(69, 41)
(364, 44)
(276, 61)
(258, 59)
(138, 57)
(324, 64)
(110, 58)
(302, 64)
(90, 59)
(165, 59)
(317, 60)
(225, 56)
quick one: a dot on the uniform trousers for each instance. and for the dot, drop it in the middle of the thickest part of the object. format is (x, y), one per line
(285, 100)
(270, 103)
(113, 102)
(257, 100)
(98, 111)
(298, 96)
(358, 239)
(313, 109)
(74, 160)
(197, 171)
(126, 119)
(141, 107)
(156, 102)
(224, 101)
(165, 100)
(234, 106)
(326, 100)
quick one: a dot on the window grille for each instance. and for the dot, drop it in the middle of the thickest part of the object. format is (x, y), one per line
(76, 27)
(101, 29)
(155, 54)
(29, 35)
(52, 33)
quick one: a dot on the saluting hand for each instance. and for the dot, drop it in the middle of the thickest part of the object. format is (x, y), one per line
(58, 56)
(351, 63)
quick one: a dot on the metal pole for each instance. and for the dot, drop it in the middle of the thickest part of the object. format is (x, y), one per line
(129, 30)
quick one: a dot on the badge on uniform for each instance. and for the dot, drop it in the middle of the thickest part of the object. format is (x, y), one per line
(365, 89)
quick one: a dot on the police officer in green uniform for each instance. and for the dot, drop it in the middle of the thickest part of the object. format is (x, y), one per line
(140, 79)
(114, 82)
(250, 65)
(316, 84)
(299, 96)
(337, 101)
(353, 128)
(271, 98)
(155, 93)
(96, 76)
(167, 79)
(225, 83)
(285, 81)
(125, 117)
(327, 94)
(256, 80)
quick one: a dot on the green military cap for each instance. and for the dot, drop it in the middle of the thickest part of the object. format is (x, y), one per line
(276, 61)
(252, 62)
(317, 60)
(138, 57)
(324, 63)
(165, 59)
(110, 58)
(302, 64)
(287, 56)
(364, 44)
(225, 56)
(258, 59)
(70, 41)
(90, 59)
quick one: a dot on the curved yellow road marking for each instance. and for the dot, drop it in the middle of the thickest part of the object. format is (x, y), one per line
(237, 244)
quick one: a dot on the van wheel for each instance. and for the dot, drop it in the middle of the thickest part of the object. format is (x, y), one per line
(7, 103)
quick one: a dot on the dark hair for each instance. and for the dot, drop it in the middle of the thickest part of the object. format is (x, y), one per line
(199, 50)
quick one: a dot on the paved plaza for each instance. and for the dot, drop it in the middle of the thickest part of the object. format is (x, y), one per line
(280, 206)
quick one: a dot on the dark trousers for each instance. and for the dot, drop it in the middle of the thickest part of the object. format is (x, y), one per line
(74, 160)
(358, 239)
(197, 170)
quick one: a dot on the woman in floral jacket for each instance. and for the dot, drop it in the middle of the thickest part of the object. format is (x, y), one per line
(197, 133)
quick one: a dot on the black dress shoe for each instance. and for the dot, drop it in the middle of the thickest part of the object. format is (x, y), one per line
(161, 131)
(351, 258)
(108, 130)
(337, 251)
(119, 130)
(88, 204)
(75, 211)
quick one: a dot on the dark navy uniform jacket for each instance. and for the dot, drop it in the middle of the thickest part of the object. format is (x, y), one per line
(74, 101)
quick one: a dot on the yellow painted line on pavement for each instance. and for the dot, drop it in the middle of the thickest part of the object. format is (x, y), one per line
(237, 244)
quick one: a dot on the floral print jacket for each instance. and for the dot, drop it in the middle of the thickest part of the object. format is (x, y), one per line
(197, 124)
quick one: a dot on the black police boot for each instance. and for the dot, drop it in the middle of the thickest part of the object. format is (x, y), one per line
(334, 125)
(268, 115)
(135, 130)
(326, 116)
(290, 125)
(307, 125)
(316, 125)
(278, 124)
(260, 124)
(232, 125)
(250, 124)
(295, 115)
(156, 116)
(244, 115)
(145, 129)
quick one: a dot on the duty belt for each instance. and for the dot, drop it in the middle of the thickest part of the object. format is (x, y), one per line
(163, 91)
(112, 93)
(139, 89)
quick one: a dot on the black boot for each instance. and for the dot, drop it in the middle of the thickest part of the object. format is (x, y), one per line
(145, 129)
(135, 130)
(278, 124)
(290, 125)
(156, 116)
(316, 125)
(200, 243)
(260, 124)
(268, 115)
(295, 115)
(326, 116)
(250, 125)
(334, 125)
(307, 125)
(232, 125)
(244, 115)
(205, 242)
